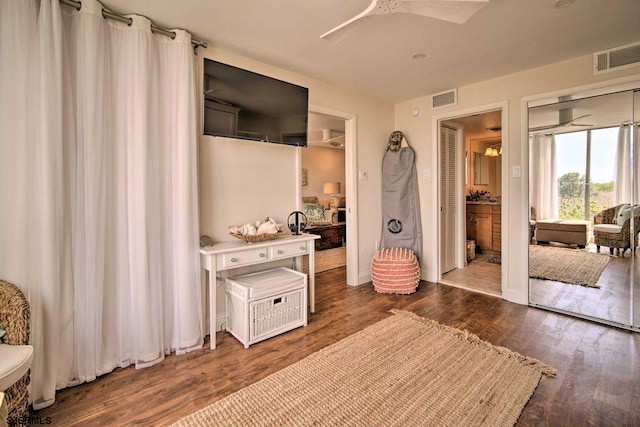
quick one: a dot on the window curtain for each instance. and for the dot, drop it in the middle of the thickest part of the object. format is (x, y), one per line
(623, 186)
(636, 164)
(543, 176)
(98, 186)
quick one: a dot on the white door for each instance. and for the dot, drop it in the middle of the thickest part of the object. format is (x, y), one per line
(448, 202)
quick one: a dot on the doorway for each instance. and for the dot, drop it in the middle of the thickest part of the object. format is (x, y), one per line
(324, 183)
(470, 182)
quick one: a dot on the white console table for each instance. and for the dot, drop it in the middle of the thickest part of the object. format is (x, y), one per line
(230, 255)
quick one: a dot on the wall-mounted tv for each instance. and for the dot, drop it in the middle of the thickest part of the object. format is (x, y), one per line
(246, 105)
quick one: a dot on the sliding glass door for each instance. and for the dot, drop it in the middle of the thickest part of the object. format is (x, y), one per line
(584, 199)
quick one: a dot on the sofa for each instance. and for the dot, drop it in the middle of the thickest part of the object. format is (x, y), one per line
(319, 214)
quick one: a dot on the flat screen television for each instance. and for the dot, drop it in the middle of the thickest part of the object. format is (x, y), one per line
(246, 105)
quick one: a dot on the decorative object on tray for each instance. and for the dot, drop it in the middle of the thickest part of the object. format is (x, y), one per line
(268, 229)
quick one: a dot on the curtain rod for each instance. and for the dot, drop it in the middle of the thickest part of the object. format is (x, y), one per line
(107, 14)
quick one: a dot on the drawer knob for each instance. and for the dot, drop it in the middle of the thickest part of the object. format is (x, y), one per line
(303, 248)
(234, 259)
(280, 251)
(262, 255)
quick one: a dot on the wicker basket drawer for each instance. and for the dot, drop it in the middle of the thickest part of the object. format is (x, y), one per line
(274, 315)
(264, 304)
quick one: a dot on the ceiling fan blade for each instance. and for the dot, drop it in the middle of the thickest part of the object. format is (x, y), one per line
(559, 125)
(456, 11)
(338, 32)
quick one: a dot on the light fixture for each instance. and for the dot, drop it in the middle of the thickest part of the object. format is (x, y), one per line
(492, 151)
(331, 188)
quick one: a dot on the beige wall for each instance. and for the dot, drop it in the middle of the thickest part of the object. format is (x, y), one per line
(510, 89)
(323, 165)
(241, 181)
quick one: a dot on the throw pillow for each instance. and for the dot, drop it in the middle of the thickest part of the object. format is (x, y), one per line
(624, 213)
(314, 212)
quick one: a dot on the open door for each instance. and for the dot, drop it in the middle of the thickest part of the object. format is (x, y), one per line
(448, 199)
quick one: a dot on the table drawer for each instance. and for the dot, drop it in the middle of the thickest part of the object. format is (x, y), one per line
(243, 257)
(289, 250)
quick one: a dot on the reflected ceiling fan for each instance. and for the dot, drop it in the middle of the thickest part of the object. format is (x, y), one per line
(561, 124)
(332, 137)
(457, 11)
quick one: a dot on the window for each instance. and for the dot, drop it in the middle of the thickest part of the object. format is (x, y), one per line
(586, 172)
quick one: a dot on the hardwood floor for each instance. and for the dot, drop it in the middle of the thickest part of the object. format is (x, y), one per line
(611, 301)
(598, 380)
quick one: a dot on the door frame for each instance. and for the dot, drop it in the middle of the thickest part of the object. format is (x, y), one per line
(351, 186)
(460, 221)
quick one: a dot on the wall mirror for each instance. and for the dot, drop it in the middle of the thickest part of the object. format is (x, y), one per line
(584, 191)
(484, 168)
(480, 169)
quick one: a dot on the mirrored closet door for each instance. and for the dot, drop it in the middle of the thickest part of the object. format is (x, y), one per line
(584, 195)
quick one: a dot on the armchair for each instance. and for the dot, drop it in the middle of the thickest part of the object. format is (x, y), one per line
(15, 353)
(607, 232)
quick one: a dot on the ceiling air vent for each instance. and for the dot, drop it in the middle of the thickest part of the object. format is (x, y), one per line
(617, 58)
(444, 99)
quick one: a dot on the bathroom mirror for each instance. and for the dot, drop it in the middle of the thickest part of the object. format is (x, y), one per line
(582, 258)
(480, 169)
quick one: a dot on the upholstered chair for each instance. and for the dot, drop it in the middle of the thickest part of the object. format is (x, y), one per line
(14, 349)
(607, 232)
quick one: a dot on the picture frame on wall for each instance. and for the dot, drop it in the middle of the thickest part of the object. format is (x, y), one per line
(304, 178)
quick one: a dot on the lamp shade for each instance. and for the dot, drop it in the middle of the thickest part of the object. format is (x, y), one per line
(331, 188)
(487, 152)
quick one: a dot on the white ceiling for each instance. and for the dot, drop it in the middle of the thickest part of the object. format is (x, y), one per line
(503, 37)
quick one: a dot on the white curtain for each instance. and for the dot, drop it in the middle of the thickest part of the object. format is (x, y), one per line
(623, 186)
(636, 165)
(627, 167)
(98, 189)
(543, 176)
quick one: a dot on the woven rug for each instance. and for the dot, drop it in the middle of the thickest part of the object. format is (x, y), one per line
(402, 371)
(328, 259)
(573, 266)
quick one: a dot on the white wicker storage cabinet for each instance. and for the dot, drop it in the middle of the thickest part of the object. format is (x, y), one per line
(264, 304)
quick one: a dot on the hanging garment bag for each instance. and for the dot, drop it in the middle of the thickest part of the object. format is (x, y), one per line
(401, 226)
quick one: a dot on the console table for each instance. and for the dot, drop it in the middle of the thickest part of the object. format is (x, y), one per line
(229, 255)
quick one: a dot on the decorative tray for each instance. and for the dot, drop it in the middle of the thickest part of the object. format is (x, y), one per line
(256, 238)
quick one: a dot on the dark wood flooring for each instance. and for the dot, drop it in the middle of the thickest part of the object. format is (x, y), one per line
(598, 380)
(610, 302)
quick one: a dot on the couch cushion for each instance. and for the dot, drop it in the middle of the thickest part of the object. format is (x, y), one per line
(314, 212)
(607, 228)
(310, 199)
(15, 361)
(574, 225)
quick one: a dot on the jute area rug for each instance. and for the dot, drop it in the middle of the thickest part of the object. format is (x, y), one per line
(573, 266)
(328, 259)
(402, 371)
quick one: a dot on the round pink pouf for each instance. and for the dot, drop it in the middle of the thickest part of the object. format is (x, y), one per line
(395, 271)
